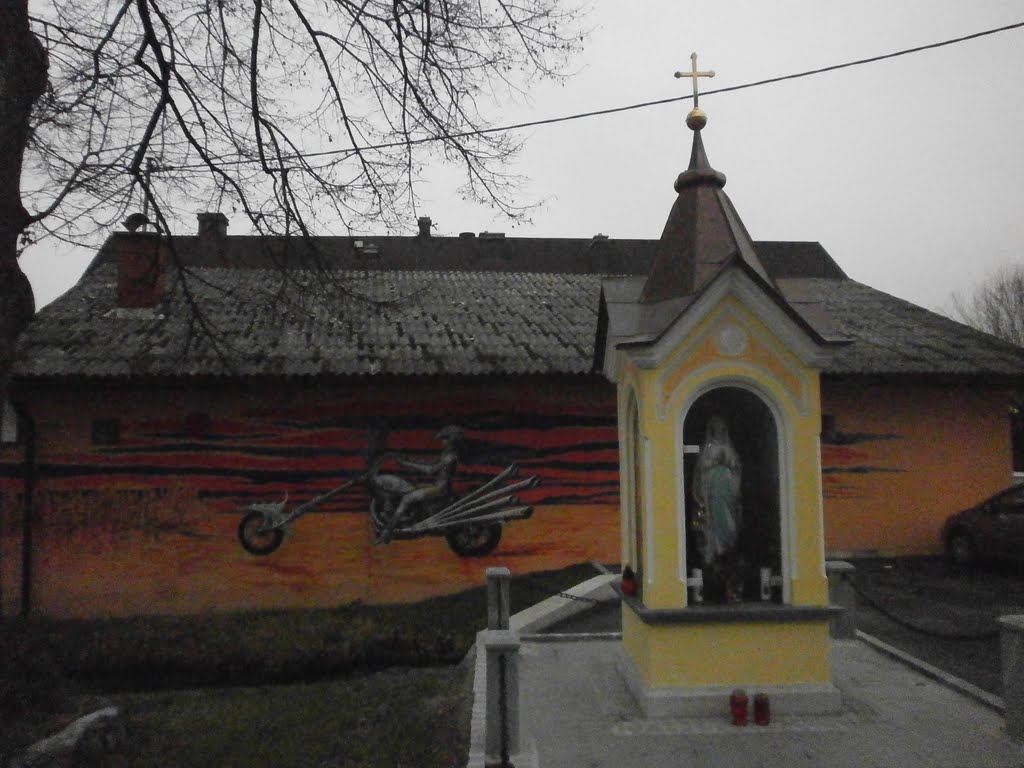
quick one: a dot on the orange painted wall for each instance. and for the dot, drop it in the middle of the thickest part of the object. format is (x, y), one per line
(906, 456)
(149, 525)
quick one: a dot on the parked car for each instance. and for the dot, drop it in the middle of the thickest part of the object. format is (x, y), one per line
(991, 530)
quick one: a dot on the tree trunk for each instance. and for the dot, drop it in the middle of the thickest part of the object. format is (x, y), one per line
(22, 81)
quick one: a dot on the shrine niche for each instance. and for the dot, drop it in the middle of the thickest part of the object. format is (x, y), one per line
(731, 486)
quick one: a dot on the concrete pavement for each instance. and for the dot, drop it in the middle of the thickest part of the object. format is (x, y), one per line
(577, 712)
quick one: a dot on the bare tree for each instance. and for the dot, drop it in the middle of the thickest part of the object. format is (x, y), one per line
(996, 305)
(294, 112)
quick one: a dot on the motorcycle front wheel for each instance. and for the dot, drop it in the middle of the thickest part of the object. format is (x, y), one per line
(256, 541)
(474, 539)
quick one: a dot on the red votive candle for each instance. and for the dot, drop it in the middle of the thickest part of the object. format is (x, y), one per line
(738, 707)
(762, 709)
(628, 581)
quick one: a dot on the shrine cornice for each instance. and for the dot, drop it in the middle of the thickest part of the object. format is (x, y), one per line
(731, 614)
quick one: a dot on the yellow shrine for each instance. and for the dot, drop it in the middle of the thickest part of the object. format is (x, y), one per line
(719, 422)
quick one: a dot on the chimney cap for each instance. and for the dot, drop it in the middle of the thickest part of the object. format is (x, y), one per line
(212, 223)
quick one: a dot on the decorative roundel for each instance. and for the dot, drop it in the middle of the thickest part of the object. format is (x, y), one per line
(731, 340)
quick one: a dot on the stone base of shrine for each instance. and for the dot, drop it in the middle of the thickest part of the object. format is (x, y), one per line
(687, 662)
(713, 700)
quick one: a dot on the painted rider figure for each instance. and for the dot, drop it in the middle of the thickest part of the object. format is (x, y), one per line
(443, 471)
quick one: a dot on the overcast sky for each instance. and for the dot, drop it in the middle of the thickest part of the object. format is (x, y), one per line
(909, 171)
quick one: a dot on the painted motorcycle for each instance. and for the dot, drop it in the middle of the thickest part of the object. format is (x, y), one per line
(471, 523)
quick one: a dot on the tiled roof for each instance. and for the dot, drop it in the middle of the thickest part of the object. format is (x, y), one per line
(515, 306)
(307, 322)
(888, 335)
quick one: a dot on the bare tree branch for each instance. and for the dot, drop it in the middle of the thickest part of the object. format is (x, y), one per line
(177, 105)
(996, 305)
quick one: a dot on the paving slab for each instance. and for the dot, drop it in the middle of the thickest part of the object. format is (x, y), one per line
(577, 712)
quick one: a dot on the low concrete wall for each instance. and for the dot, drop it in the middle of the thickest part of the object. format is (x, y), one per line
(841, 593)
(1012, 654)
(554, 609)
(490, 644)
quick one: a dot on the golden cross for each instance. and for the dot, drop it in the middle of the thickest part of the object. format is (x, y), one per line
(695, 74)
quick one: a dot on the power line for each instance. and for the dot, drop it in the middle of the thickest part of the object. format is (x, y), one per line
(741, 87)
(629, 107)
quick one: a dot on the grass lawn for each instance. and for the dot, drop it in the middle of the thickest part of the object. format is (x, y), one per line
(355, 685)
(399, 717)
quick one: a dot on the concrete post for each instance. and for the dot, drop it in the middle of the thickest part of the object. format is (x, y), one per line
(501, 737)
(1011, 640)
(498, 580)
(840, 592)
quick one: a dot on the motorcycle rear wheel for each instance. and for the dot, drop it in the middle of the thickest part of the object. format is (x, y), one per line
(474, 539)
(254, 540)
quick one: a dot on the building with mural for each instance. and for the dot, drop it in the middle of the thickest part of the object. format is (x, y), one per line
(185, 378)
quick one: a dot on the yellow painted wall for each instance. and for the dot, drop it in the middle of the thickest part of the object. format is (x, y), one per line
(663, 395)
(740, 654)
(905, 457)
(730, 347)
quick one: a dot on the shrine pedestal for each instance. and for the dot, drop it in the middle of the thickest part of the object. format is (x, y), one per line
(686, 662)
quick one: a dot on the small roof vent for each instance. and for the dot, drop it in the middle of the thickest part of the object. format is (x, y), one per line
(467, 235)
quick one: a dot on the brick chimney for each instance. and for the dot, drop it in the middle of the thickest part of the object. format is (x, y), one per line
(141, 263)
(424, 223)
(213, 225)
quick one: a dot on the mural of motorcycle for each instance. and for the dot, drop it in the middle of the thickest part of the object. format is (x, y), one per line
(471, 523)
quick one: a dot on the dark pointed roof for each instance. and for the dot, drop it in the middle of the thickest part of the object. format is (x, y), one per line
(702, 234)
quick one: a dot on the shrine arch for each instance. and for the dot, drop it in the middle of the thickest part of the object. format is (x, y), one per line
(757, 434)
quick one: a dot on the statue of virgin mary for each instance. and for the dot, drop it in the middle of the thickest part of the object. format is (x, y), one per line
(716, 490)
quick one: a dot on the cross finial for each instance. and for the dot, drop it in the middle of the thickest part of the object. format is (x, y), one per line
(694, 74)
(696, 119)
